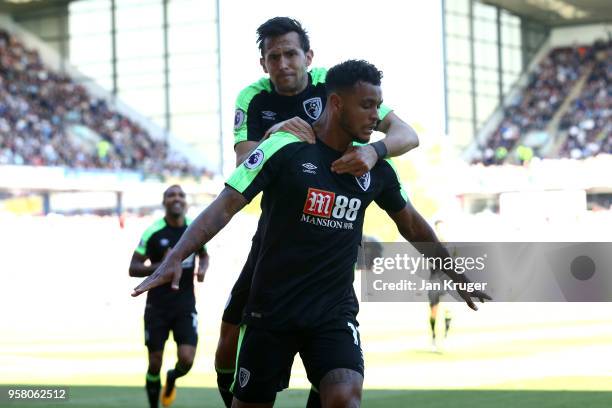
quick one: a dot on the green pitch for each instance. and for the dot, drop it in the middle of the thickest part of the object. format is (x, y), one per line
(111, 397)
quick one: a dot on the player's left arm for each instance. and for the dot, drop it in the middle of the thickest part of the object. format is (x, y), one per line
(200, 231)
(413, 227)
(399, 139)
(203, 259)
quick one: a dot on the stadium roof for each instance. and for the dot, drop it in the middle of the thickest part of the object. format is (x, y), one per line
(559, 12)
(17, 6)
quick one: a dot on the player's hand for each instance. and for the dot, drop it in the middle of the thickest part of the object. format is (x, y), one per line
(357, 161)
(297, 127)
(477, 294)
(202, 268)
(170, 270)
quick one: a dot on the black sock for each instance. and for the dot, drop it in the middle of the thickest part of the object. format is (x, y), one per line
(432, 323)
(177, 372)
(225, 378)
(447, 325)
(314, 399)
(153, 387)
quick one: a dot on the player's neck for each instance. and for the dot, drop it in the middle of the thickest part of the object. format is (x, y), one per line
(331, 133)
(175, 221)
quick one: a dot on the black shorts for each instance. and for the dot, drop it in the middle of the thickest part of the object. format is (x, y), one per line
(158, 321)
(434, 297)
(265, 356)
(239, 295)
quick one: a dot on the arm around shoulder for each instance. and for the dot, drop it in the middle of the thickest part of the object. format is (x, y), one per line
(400, 137)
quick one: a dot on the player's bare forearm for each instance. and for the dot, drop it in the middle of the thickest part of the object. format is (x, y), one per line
(244, 149)
(413, 227)
(138, 268)
(203, 229)
(400, 137)
(209, 223)
(141, 270)
(202, 266)
(416, 230)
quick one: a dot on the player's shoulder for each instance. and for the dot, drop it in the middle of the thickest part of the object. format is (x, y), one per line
(246, 95)
(284, 141)
(157, 225)
(386, 168)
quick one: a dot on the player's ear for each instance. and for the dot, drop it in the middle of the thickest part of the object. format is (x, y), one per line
(309, 56)
(262, 62)
(335, 101)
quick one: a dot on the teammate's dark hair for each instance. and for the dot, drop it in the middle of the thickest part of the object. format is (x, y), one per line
(277, 26)
(168, 189)
(348, 73)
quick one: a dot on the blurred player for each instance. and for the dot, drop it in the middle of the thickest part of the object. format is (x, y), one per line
(290, 99)
(435, 295)
(302, 298)
(167, 309)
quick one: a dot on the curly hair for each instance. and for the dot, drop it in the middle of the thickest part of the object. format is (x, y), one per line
(348, 73)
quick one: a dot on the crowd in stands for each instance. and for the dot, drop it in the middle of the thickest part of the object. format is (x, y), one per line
(548, 86)
(588, 122)
(41, 112)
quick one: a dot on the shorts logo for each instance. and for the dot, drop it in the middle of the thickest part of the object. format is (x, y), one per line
(354, 331)
(255, 159)
(268, 115)
(364, 181)
(243, 377)
(239, 118)
(313, 107)
(319, 202)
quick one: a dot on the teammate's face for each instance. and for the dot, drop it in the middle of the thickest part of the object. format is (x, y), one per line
(286, 63)
(174, 201)
(358, 110)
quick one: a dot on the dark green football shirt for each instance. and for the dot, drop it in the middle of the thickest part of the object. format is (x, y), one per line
(313, 227)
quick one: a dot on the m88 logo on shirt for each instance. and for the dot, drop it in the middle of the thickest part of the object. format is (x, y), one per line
(325, 207)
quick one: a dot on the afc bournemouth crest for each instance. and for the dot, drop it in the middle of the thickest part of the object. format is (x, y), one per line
(313, 107)
(364, 181)
(243, 377)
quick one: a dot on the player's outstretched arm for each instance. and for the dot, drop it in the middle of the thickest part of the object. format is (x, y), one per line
(203, 259)
(399, 139)
(416, 231)
(139, 268)
(202, 229)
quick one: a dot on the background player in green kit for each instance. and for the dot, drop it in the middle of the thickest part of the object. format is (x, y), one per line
(166, 309)
(302, 299)
(289, 99)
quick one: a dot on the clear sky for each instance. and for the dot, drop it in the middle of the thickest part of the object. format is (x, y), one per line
(402, 38)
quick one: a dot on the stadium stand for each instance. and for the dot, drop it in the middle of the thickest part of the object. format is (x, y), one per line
(585, 127)
(47, 119)
(588, 122)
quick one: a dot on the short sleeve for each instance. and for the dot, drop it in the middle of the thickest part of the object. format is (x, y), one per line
(392, 197)
(262, 166)
(246, 126)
